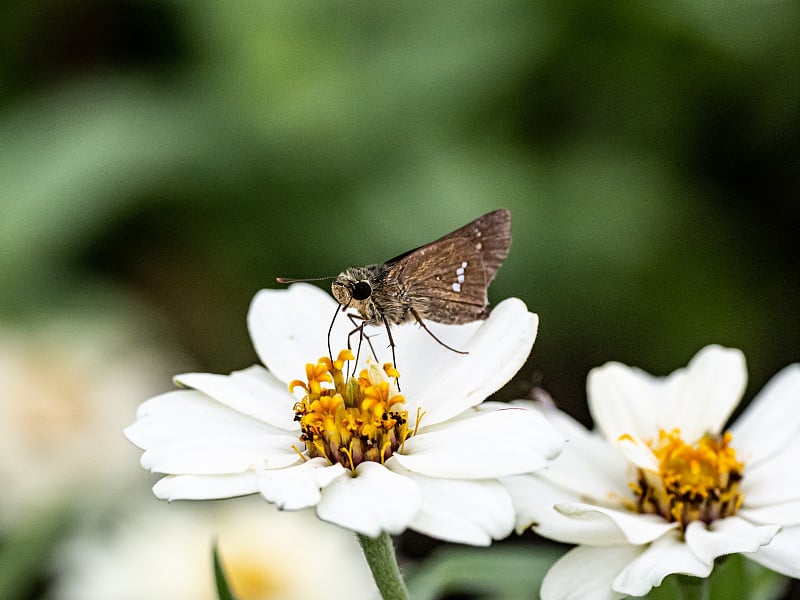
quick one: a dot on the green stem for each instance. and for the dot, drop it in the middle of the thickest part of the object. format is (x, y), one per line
(382, 562)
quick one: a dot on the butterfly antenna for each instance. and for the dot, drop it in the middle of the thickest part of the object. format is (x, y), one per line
(293, 280)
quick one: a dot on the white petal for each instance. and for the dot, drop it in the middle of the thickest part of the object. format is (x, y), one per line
(298, 487)
(588, 466)
(771, 421)
(622, 400)
(713, 386)
(289, 328)
(637, 528)
(773, 481)
(534, 499)
(464, 512)
(372, 501)
(491, 444)
(587, 572)
(665, 556)
(253, 392)
(496, 351)
(178, 405)
(727, 536)
(188, 415)
(152, 432)
(639, 453)
(781, 553)
(786, 513)
(697, 399)
(205, 487)
(219, 455)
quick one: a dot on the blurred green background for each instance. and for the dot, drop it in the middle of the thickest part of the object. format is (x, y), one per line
(170, 158)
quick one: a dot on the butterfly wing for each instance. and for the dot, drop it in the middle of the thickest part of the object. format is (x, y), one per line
(447, 280)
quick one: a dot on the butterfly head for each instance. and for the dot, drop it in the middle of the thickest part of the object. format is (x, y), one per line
(354, 289)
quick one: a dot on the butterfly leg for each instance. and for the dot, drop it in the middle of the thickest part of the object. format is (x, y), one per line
(391, 341)
(359, 327)
(391, 345)
(430, 333)
(330, 330)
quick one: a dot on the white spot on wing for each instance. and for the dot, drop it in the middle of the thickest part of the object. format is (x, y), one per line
(460, 276)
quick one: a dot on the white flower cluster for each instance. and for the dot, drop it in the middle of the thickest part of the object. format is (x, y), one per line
(660, 487)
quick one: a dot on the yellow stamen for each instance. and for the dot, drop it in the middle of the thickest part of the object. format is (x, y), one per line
(391, 371)
(420, 413)
(350, 421)
(300, 454)
(698, 482)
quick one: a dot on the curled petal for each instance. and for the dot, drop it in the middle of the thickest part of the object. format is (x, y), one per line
(665, 556)
(727, 536)
(637, 528)
(587, 572)
(781, 554)
(535, 498)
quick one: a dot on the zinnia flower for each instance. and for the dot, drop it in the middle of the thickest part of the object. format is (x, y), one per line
(158, 554)
(67, 387)
(661, 487)
(368, 458)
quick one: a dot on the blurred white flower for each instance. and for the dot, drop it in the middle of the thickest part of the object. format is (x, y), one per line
(66, 387)
(367, 458)
(660, 487)
(160, 554)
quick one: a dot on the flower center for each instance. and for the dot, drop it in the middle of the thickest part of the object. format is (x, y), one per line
(691, 483)
(350, 421)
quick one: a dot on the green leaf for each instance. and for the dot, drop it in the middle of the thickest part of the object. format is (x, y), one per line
(223, 589)
(736, 577)
(27, 548)
(497, 572)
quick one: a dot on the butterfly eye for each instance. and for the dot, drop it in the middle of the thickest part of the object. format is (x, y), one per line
(362, 290)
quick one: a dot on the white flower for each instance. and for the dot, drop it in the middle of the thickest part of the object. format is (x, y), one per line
(659, 488)
(159, 554)
(239, 434)
(67, 386)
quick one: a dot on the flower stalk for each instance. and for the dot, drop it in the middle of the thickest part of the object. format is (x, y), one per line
(382, 561)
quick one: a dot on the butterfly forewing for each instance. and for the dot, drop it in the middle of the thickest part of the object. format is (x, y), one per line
(447, 280)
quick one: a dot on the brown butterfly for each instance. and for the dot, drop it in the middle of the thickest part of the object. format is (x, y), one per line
(445, 281)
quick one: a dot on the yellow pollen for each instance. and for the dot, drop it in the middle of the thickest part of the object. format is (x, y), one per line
(391, 371)
(698, 482)
(350, 421)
